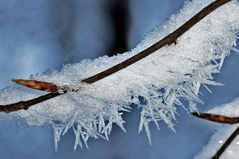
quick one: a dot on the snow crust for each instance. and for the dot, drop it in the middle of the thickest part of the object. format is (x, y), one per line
(232, 110)
(157, 84)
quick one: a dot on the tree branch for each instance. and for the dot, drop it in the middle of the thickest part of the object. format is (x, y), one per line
(226, 144)
(221, 119)
(168, 40)
(26, 104)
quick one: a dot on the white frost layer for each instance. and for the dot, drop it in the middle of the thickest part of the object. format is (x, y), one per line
(229, 109)
(216, 141)
(156, 84)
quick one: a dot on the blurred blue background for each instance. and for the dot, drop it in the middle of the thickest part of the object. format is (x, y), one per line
(37, 35)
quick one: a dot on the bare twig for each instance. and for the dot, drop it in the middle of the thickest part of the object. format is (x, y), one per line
(221, 119)
(168, 40)
(217, 118)
(226, 144)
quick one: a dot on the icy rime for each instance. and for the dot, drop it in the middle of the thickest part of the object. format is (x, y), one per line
(157, 84)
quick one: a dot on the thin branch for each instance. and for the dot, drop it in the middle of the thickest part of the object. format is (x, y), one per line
(226, 144)
(221, 119)
(168, 40)
(217, 118)
(26, 104)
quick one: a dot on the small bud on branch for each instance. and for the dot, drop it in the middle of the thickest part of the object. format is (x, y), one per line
(39, 85)
(217, 118)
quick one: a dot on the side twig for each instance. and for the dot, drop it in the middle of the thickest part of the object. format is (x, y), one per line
(168, 40)
(221, 119)
(226, 144)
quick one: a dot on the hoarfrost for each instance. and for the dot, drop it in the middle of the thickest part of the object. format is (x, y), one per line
(157, 84)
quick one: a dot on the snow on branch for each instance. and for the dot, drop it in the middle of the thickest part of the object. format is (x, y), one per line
(168, 40)
(156, 82)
